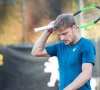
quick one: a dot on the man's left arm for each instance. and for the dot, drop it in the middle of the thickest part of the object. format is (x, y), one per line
(82, 78)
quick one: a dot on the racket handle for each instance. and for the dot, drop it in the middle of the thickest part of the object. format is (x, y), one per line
(43, 28)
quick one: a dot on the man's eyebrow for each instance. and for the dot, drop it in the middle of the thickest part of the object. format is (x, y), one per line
(63, 33)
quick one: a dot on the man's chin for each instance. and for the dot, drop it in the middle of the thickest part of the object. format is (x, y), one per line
(66, 43)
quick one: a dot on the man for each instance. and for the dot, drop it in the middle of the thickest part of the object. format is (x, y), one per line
(75, 54)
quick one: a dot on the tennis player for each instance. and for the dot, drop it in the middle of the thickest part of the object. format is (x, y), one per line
(75, 54)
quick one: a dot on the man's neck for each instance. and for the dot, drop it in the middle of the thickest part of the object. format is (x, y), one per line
(77, 38)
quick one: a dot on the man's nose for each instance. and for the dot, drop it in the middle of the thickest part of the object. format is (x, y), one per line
(62, 37)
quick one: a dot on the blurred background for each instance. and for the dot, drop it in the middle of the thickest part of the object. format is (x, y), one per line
(19, 70)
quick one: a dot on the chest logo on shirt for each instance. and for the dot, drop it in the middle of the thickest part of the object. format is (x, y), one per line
(74, 49)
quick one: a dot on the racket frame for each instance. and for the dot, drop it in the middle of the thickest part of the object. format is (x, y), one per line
(86, 9)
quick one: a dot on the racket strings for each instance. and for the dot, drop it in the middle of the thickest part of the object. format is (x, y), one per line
(87, 16)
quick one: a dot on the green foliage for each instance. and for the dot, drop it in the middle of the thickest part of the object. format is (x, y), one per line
(7, 10)
(54, 6)
(91, 2)
(37, 13)
(69, 6)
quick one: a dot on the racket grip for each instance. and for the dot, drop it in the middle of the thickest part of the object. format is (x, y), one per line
(43, 28)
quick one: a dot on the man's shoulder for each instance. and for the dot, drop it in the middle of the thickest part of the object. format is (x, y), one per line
(87, 41)
(87, 44)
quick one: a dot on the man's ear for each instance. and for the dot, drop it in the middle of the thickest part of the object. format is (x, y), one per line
(75, 28)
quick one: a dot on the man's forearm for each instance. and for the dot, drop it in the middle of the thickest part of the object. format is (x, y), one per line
(79, 81)
(40, 44)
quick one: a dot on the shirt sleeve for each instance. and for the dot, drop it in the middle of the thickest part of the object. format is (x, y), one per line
(88, 53)
(51, 50)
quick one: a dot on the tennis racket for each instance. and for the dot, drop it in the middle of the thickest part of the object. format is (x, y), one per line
(89, 16)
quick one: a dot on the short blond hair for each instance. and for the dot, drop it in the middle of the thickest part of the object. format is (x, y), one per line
(64, 21)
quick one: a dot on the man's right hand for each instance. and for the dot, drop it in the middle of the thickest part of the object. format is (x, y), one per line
(51, 23)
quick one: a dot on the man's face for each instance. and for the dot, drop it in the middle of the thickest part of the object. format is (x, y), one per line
(67, 35)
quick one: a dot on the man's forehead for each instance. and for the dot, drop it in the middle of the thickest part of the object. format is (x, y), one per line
(63, 30)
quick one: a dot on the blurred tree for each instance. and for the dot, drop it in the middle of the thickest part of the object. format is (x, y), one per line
(6, 9)
(3, 15)
(91, 2)
(69, 6)
(10, 22)
(37, 13)
(54, 7)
